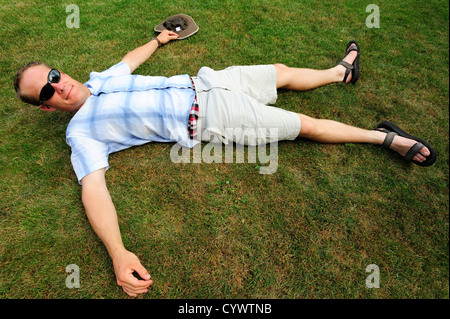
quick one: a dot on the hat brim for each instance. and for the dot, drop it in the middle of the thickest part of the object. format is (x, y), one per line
(191, 29)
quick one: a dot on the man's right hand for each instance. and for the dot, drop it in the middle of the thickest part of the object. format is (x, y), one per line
(124, 265)
(103, 218)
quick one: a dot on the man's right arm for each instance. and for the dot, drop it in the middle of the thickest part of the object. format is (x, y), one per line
(103, 218)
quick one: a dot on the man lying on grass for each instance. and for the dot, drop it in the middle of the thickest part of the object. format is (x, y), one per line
(116, 110)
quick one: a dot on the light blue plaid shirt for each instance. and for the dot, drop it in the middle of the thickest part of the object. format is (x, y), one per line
(127, 110)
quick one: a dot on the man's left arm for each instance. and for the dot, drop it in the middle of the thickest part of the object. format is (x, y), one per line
(139, 55)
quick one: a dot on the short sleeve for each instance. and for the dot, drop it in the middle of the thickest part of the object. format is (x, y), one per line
(87, 156)
(97, 79)
(120, 68)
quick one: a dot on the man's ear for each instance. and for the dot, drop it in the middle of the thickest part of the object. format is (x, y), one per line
(47, 108)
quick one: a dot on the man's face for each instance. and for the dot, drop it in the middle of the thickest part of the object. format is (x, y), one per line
(69, 94)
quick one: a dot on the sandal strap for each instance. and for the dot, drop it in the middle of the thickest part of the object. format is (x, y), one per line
(413, 151)
(352, 48)
(348, 67)
(388, 139)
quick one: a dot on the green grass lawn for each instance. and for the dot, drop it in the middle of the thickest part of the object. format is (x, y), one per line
(224, 230)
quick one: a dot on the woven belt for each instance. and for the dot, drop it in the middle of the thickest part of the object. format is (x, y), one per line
(193, 116)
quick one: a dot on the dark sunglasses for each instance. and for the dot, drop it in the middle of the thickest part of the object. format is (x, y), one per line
(47, 91)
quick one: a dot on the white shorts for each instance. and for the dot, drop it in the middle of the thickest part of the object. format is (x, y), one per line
(234, 105)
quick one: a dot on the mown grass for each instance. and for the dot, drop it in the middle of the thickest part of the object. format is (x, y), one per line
(223, 230)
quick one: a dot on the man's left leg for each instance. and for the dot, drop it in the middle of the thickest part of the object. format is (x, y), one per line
(328, 131)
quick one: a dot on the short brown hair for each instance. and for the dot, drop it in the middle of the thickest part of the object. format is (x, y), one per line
(18, 78)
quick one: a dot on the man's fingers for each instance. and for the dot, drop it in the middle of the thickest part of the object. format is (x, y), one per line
(171, 35)
(134, 292)
(142, 272)
(134, 283)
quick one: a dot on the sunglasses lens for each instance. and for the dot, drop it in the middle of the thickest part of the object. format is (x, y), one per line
(54, 76)
(46, 92)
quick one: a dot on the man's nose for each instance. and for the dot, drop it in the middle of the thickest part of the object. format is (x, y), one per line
(59, 87)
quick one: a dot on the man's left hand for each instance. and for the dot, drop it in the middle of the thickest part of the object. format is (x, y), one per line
(166, 36)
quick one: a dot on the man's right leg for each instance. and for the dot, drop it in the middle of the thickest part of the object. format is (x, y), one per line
(301, 79)
(328, 131)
